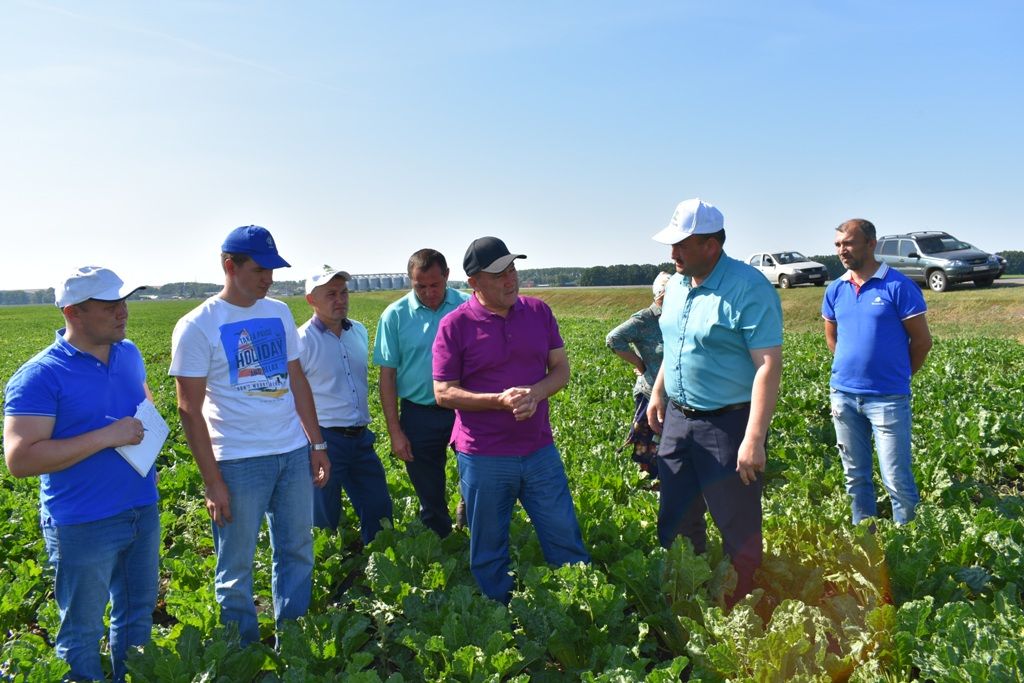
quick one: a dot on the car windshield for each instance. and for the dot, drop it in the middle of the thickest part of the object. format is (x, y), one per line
(785, 257)
(937, 245)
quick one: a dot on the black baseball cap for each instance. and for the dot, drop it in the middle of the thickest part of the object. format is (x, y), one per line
(489, 255)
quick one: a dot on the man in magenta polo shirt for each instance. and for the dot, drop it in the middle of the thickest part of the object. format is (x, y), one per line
(497, 358)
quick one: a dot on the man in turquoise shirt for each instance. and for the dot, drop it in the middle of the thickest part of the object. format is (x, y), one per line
(421, 431)
(716, 390)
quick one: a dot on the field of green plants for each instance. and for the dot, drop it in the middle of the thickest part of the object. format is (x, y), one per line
(938, 599)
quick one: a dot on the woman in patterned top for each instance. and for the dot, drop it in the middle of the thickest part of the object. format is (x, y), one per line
(638, 342)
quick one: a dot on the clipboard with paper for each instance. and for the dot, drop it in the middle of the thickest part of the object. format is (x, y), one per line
(142, 455)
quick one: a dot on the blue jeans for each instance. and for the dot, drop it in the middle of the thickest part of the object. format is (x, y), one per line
(491, 484)
(356, 468)
(114, 559)
(429, 430)
(855, 418)
(697, 468)
(279, 487)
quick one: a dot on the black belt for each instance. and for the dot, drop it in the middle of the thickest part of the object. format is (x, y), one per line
(426, 406)
(350, 432)
(695, 414)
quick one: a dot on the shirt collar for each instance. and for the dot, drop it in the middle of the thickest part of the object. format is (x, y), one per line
(450, 297)
(70, 349)
(883, 268)
(346, 324)
(714, 278)
(63, 344)
(482, 312)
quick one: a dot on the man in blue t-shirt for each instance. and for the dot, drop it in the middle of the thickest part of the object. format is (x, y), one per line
(66, 410)
(876, 328)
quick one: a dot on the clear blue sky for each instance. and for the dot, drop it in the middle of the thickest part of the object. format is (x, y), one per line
(137, 134)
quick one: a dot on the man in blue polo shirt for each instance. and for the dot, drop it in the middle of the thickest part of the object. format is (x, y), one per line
(876, 328)
(722, 328)
(421, 432)
(67, 409)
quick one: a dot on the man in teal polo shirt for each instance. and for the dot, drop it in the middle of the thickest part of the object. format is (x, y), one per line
(402, 349)
(716, 390)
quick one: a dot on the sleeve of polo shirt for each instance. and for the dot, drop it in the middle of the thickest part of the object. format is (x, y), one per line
(447, 352)
(137, 358)
(190, 351)
(304, 356)
(31, 391)
(361, 333)
(828, 305)
(554, 338)
(620, 338)
(761, 317)
(386, 349)
(908, 299)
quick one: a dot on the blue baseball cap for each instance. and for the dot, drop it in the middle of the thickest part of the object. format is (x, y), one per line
(256, 242)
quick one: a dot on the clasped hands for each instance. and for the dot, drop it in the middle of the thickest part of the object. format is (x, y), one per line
(520, 401)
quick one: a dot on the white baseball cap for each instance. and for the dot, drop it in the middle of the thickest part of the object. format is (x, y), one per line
(692, 217)
(91, 282)
(323, 276)
(660, 282)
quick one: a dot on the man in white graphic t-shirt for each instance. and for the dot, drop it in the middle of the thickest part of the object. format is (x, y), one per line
(250, 422)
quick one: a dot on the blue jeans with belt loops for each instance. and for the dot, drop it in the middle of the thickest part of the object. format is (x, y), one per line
(114, 559)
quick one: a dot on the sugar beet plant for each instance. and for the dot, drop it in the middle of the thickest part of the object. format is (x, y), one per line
(938, 599)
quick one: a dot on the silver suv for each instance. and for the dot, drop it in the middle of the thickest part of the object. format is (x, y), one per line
(938, 259)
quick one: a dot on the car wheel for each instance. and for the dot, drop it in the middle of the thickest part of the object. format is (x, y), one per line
(819, 284)
(983, 282)
(937, 281)
(784, 282)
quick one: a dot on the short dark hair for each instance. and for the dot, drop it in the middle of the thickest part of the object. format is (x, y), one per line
(867, 228)
(425, 259)
(720, 236)
(237, 259)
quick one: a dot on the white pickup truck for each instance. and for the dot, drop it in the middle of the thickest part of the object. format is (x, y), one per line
(788, 268)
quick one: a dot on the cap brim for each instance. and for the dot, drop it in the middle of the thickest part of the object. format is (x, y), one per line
(499, 265)
(311, 284)
(109, 295)
(671, 235)
(270, 261)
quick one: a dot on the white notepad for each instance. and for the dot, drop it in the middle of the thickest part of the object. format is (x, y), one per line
(142, 455)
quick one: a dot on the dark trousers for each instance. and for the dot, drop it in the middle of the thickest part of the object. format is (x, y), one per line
(355, 468)
(697, 467)
(429, 430)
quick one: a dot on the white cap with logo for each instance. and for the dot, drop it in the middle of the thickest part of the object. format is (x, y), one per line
(91, 282)
(323, 276)
(692, 217)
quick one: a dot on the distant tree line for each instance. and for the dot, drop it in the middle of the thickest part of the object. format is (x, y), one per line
(632, 274)
(1014, 261)
(595, 276)
(553, 277)
(831, 263)
(21, 297)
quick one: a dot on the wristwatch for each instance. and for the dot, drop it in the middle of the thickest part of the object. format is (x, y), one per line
(322, 446)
